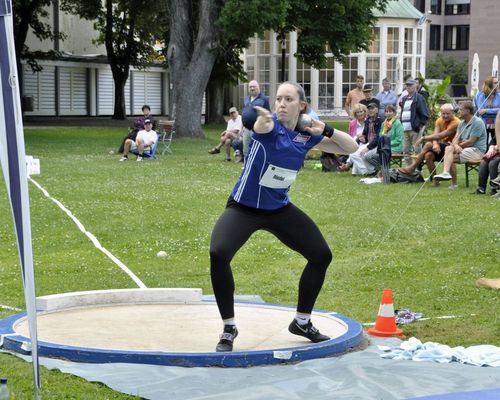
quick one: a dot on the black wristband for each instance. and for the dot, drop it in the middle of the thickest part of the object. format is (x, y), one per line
(328, 131)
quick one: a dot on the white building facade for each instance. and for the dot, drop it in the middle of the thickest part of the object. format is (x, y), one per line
(398, 48)
(79, 81)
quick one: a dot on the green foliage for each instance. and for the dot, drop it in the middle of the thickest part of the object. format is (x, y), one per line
(441, 66)
(437, 97)
(31, 14)
(416, 246)
(345, 26)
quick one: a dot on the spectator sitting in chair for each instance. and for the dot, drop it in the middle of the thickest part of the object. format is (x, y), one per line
(139, 122)
(490, 165)
(392, 130)
(435, 144)
(145, 138)
(232, 132)
(468, 145)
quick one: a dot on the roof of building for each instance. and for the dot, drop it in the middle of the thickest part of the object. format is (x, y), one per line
(399, 9)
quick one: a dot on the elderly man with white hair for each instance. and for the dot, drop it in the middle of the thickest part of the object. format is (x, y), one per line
(435, 144)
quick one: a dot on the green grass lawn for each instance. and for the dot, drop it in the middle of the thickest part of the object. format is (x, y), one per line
(430, 257)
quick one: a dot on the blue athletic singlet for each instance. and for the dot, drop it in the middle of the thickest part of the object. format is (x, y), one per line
(271, 167)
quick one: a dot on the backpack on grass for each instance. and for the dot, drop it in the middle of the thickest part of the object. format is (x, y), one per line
(329, 162)
(398, 177)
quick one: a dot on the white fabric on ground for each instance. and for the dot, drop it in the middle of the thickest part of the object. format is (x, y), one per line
(360, 375)
(414, 349)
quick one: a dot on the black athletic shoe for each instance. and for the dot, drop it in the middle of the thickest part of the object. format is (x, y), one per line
(226, 338)
(308, 331)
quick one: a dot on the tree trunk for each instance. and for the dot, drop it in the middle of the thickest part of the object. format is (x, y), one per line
(191, 61)
(215, 103)
(119, 108)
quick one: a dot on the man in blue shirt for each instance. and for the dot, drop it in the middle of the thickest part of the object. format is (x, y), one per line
(385, 97)
(469, 143)
(249, 115)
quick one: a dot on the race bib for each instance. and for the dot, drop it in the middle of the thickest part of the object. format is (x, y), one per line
(277, 177)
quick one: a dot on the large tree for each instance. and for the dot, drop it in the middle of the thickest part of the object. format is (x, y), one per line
(196, 39)
(129, 30)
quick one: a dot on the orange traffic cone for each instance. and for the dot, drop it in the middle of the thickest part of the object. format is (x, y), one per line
(385, 325)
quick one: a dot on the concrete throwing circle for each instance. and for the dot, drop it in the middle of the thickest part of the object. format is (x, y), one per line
(177, 334)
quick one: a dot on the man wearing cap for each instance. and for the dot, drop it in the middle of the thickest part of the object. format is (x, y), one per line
(369, 99)
(414, 116)
(421, 90)
(145, 138)
(232, 132)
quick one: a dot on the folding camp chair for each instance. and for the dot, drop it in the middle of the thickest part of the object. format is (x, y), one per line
(167, 130)
(150, 151)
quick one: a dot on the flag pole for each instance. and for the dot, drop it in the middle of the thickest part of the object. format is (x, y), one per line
(13, 161)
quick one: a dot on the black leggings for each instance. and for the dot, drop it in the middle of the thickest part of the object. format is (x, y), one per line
(291, 226)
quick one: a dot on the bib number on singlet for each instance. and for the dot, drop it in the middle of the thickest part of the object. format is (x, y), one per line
(277, 177)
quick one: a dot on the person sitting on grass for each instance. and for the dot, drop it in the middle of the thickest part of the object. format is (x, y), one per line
(435, 144)
(145, 138)
(232, 132)
(468, 145)
(392, 130)
(357, 123)
(370, 131)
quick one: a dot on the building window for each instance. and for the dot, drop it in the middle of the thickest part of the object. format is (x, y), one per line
(392, 69)
(420, 5)
(349, 73)
(250, 67)
(251, 48)
(435, 39)
(420, 33)
(436, 7)
(304, 78)
(264, 74)
(393, 40)
(265, 43)
(326, 85)
(408, 41)
(407, 67)
(418, 65)
(375, 44)
(457, 7)
(372, 77)
(456, 37)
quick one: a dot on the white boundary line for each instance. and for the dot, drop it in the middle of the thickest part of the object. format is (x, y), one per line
(428, 318)
(9, 308)
(91, 237)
